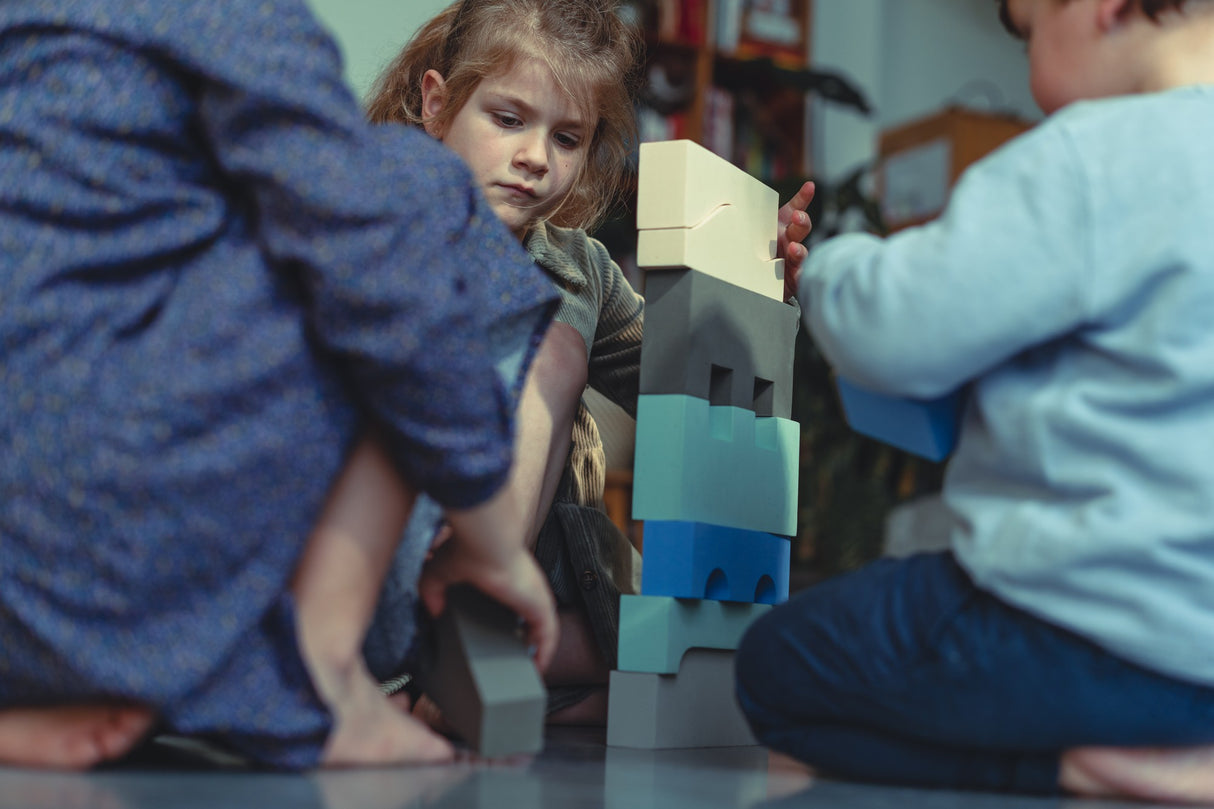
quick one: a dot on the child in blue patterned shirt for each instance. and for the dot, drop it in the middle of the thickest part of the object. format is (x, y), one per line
(215, 277)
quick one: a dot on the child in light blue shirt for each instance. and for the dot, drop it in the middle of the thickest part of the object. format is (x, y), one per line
(1070, 284)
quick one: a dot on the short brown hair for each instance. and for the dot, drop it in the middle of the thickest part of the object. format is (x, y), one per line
(594, 55)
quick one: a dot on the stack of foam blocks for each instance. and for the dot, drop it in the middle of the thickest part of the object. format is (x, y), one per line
(715, 476)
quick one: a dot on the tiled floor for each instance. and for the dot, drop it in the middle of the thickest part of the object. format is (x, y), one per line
(575, 771)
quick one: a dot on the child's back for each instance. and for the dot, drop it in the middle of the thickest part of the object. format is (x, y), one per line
(1069, 284)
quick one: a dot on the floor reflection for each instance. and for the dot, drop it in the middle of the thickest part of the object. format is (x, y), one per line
(576, 769)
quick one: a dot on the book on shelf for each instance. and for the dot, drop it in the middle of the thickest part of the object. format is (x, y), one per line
(719, 114)
(751, 29)
(654, 126)
(683, 22)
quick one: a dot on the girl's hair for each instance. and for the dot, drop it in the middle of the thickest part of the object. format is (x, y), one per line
(1152, 8)
(593, 54)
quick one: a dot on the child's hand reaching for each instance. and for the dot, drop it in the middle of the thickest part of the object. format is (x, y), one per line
(794, 227)
(484, 551)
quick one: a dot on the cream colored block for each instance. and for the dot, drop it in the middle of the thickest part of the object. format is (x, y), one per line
(699, 211)
(681, 183)
(718, 247)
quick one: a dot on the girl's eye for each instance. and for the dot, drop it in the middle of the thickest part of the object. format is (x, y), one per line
(567, 141)
(506, 119)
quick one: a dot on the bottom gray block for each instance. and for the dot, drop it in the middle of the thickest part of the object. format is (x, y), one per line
(694, 708)
(482, 677)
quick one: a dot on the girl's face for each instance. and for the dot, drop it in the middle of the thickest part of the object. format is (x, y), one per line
(521, 135)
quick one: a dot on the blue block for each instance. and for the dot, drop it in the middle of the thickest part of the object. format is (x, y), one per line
(695, 560)
(923, 427)
(716, 465)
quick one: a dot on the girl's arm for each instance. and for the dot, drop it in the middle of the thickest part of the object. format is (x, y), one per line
(615, 358)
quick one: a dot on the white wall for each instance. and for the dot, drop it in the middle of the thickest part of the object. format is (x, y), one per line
(371, 32)
(847, 38)
(912, 57)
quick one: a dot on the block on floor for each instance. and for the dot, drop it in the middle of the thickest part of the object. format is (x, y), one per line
(698, 560)
(715, 465)
(482, 677)
(694, 708)
(656, 631)
(717, 341)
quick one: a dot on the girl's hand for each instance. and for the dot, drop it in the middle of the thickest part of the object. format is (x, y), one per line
(794, 227)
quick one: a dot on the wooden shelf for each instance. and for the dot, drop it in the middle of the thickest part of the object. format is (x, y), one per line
(921, 160)
(617, 501)
(698, 89)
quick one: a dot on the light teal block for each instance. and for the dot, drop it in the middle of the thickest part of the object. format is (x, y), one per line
(716, 465)
(656, 631)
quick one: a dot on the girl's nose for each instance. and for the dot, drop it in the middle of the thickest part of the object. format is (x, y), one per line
(533, 155)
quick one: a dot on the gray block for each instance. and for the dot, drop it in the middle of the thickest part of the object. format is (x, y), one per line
(481, 676)
(694, 708)
(707, 338)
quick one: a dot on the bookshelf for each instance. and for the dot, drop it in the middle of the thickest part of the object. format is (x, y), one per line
(709, 78)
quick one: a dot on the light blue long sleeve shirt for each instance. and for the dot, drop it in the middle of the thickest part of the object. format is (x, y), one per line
(1070, 282)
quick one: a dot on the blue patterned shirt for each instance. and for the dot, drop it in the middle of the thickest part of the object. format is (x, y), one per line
(212, 273)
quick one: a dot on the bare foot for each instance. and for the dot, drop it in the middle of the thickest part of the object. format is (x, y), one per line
(70, 737)
(369, 729)
(1171, 775)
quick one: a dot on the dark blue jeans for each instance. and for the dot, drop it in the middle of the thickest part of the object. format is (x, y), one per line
(904, 672)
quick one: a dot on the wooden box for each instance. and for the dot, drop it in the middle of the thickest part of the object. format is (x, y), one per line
(920, 161)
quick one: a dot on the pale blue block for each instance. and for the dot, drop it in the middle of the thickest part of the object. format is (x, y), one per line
(923, 427)
(715, 465)
(656, 631)
(696, 560)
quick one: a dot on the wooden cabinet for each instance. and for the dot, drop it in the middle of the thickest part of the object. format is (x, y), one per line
(715, 75)
(921, 160)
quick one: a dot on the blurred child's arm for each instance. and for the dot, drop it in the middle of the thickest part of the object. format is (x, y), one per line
(794, 227)
(921, 312)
